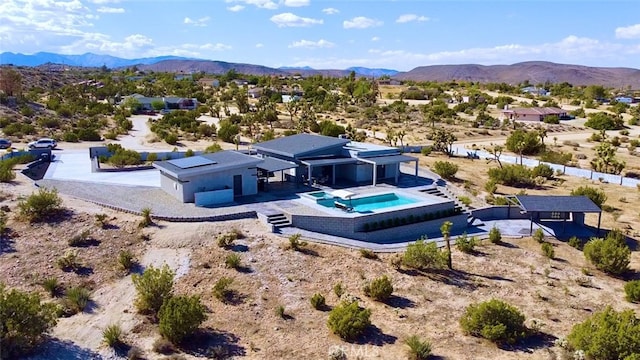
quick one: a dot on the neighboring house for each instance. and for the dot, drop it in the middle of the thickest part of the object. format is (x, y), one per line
(290, 98)
(207, 179)
(240, 82)
(170, 102)
(178, 77)
(625, 99)
(531, 114)
(389, 82)
(209, 82)
(255, 92)
(327, 159)
(535, 91)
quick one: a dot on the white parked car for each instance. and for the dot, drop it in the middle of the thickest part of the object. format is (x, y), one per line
(43, 144)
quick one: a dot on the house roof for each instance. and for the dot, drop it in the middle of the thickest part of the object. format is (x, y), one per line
(272, 164)
(206, 164)
(551, 203)
(329, 161)
(298, 145)
(390, 159)
(536, 111)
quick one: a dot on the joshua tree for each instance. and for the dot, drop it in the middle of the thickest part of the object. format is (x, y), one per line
(445, 229)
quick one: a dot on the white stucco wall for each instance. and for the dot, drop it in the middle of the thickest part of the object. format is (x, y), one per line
(215, 181)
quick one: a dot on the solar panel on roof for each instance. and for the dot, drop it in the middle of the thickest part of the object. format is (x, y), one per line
(191, 162)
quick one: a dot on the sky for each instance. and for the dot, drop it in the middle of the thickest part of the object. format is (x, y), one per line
(324, 34)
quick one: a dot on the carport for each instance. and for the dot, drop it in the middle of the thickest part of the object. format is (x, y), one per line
(388, 160)
(557, 208)
(269, 166)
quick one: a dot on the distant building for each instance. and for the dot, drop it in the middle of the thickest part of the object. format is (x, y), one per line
(209, 82)
(535, 91)
(531, 114)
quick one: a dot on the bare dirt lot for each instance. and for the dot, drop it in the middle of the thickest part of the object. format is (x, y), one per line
(554, 293)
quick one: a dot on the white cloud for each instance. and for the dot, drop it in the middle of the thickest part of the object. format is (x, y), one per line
(375, 38)
(215, 47)
(235, 8)
(411, 17)
(199, 22)
(259, 45)
(264, 4)
(361, 22)
(295, 3)
(292, 20)
(110, 10)
(330, 11)
(628, 32)
(312, 44)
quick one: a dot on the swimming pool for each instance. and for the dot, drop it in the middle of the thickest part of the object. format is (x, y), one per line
(368, 203)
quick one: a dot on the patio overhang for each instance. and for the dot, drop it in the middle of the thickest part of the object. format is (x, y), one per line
(330, 161)
(272, 164)
(388, 160)
(536, 204)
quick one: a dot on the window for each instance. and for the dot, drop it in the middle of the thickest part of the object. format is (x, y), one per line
(556, 215)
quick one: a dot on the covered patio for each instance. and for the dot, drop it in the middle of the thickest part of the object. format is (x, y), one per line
(381, 161)
(557, 208)
(326, 162)
(269, 167)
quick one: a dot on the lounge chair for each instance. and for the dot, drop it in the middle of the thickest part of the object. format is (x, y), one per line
(342, 206)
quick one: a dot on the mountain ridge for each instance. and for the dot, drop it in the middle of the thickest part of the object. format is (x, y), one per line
(535, 72)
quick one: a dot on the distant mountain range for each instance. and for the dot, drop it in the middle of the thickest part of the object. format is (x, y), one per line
(535, 72)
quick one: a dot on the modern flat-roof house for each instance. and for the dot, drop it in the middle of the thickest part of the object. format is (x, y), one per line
(170, 102)
(210, 178)
(531, 114)
(325, 159)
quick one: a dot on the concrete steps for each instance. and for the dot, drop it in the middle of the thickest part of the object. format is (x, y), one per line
(278, 220)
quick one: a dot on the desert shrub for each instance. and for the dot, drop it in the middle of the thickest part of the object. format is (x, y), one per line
(542, 170)
(124, 157)
(339, 289)
(604, 121)
(512, 175)
(101, 220)
(318, 301)
(465, 200)
(171, 139)
(151, 157)
(189, 153)
(494, 320)
(426, 150)
(232, 261)
(491, 187)
(81, 238)
(295, 243)
(180, 316)
(632, 291)
(538, 235)
(24, 320)
(153, 287)
(465, 243)
(41, 205)
(423, 255)
(163, 346)
(69, 261)
(280, 311)
(445, 169)
(112, 335)
(226, 240)
(348, 320)
(76, 299)
(418, 349)
(52, 286)
(368, 254)
(596, 195)
(547, 250)
(213, 148)
(221, 290)
(126, 260)
(575, 242)
(556, 157)
(608, 255)
(379, 289)
(146, 217)
(607, 334)
(494, 235)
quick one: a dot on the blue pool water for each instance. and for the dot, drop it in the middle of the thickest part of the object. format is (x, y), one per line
(370, 203)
